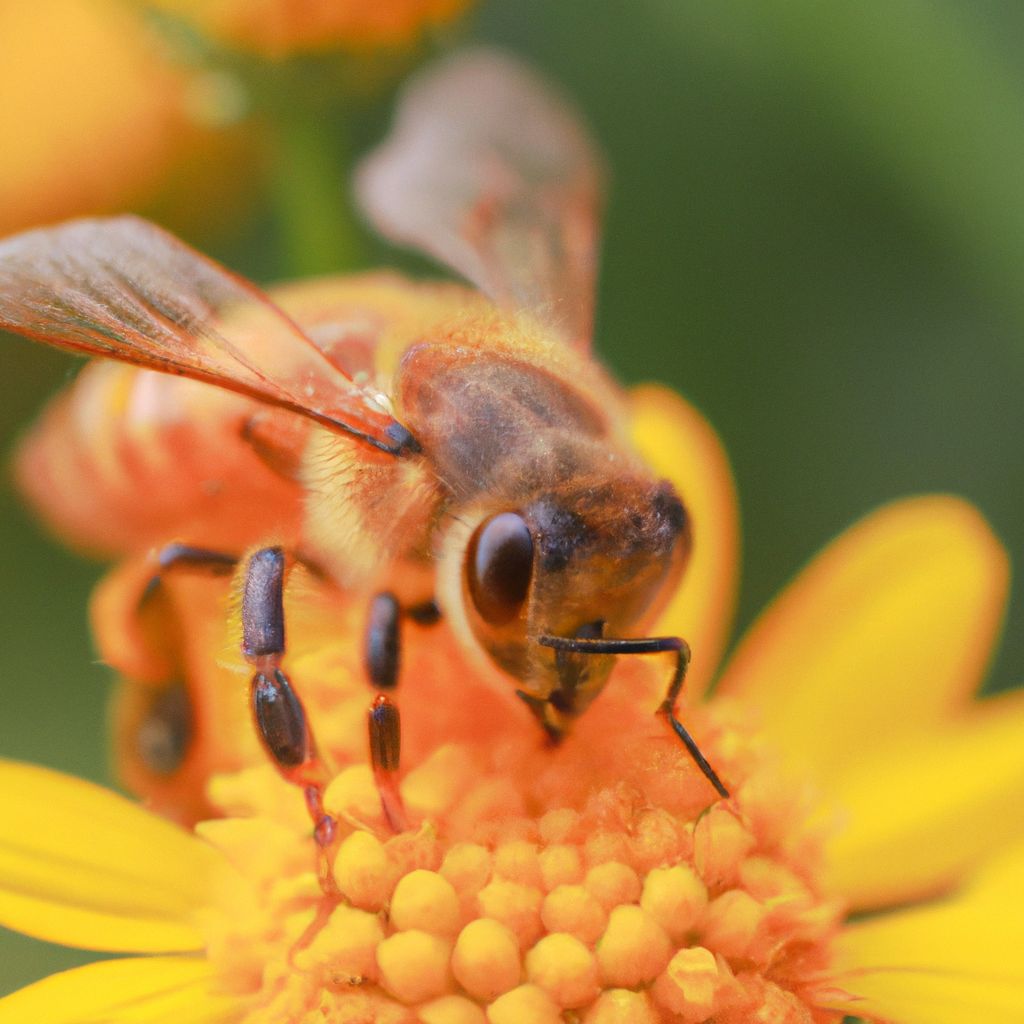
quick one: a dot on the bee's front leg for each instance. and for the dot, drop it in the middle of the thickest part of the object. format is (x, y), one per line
(278, 711)
(648, 645)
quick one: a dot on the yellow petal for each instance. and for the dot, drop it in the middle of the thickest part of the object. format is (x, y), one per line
(681, 445)
(82, 866)
(947, 963)
(923, 813)
(906, 997)
(147, 990)
(886, 631)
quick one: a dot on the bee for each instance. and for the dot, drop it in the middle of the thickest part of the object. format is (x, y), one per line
(440, 452)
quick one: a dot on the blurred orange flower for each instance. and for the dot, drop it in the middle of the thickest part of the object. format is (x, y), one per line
(279, 27)
(90, 111)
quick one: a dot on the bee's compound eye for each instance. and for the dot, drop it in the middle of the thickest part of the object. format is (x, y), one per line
(165, 731)
(499, 566)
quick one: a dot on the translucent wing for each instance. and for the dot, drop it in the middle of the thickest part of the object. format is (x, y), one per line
(490, 172)
(123, 288)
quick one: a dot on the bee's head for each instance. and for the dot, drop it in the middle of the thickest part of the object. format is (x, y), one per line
(581, 560)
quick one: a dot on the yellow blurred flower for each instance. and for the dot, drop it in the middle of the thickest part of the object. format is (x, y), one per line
(600, 882)
(280, 27)
(89, 115)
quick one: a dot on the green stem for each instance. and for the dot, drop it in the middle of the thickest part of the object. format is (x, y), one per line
(311, 185)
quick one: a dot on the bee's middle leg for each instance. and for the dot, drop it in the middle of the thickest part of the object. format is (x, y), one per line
(277, 709)
(382, 657)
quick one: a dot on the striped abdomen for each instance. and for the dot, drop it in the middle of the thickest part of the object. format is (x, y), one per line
(125, 459)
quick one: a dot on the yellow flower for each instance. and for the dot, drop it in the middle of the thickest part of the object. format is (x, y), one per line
(88, 115)
(600, 882)
(279, 27)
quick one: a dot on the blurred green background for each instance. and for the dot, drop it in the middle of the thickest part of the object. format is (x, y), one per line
(816, 233)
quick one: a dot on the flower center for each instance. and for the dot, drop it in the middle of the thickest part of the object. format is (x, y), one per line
(600, 881)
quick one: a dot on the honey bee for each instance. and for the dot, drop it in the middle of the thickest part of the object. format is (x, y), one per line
(438, 451)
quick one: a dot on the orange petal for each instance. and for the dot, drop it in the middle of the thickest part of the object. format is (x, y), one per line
(277, 28)
(681, 445)
(147, 990)
(886, 631)
(84, 867)
(924, 813)
(947, 963)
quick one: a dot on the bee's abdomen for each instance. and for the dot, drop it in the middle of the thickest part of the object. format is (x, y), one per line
(125, 459)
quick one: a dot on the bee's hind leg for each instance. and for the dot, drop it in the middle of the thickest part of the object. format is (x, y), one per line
(178, 556)
(278, 711)
(137, 626)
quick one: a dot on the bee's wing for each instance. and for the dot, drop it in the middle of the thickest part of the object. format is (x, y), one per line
(123, 288)
(489, 171)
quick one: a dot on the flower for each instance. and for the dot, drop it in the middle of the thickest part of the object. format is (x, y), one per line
(601, 881)
(279, 27)
(107, 116)
(89, 111)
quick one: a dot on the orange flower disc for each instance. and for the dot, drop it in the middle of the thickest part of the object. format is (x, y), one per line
(601, 878)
